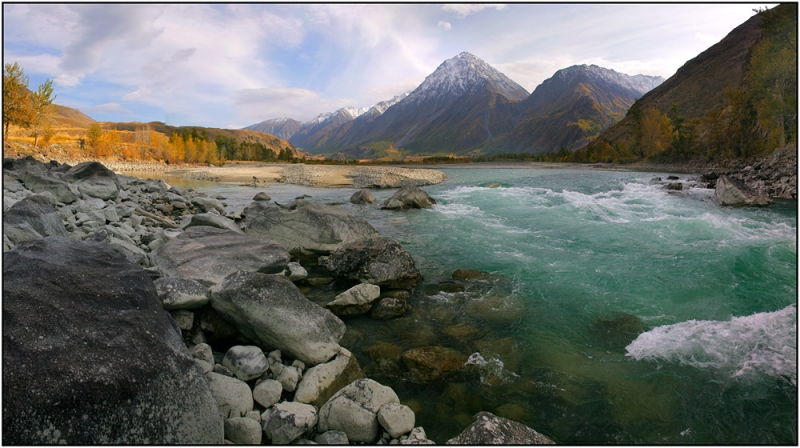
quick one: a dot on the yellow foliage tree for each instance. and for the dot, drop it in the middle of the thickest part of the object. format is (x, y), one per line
(656, 132)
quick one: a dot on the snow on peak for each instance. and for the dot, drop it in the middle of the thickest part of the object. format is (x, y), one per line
(639, 83)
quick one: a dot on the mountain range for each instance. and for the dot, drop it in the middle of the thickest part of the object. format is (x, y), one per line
(468, 107)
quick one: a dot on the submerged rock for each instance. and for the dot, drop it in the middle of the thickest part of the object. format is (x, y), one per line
(616, 330)
(432, 363)
(489, 429)
(379, 261)
(408, 197)
(89, 355)
(355, 301)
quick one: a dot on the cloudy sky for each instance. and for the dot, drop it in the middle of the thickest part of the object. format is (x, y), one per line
(234, 65)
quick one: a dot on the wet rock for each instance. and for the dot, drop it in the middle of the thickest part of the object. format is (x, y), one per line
(472, 275)
(379, 261)
(389, 308)
(271, 311)
(363, 197)
(208, 255)
(497, 309)
(321, 382)
(616, 330)
(677, 186)
(178, 293)
(247, 362)
(408, 197)
(354, 410)
(432, 363)
(488, 429)
(733, 192)
(261, 196)
(355, 301)
(90, 357)
(289, 421)
(304, 226)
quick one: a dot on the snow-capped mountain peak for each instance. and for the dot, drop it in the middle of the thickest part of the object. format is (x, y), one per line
(639, 83)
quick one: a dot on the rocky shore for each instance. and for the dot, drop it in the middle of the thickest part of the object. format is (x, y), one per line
(138, 313)
(361, 176)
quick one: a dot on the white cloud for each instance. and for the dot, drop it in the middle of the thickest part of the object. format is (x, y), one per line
(107, 108)
(279, 102)
(445, 25)
(138, 93)
(464, 10)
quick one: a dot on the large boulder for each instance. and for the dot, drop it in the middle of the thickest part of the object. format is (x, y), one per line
(211, 220)
(730, 191)
(32, 216)
(489, 429)
(305, 227)
(89, 355)
(408, 197)
(271, 311)
(320, 382)
(178, 293)
(208, 255)
(354, 410)
(94, 180)
(379, 261)
(40, 183)
(363, 197)
(432, 363)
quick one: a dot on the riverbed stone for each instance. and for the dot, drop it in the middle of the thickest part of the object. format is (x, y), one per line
(354, 410)
(243, 431)
(417, 436)
(489, 429)
(208, 255)
(208, 204)
(247, 362)
(261, 196)
(93, 179)
(31, 218)
(408, 197)
(203, 352)
(432, 363)
(355, 301)
(730, 191)
(332, 438)
(212, 220)
(389, 308)
(306, 227)
(178, 293)
(64, 192)
(397, 419)
(270, 310)
(378, 261)
(289, 421)
(288, 376)
(296, 272)
(268, 392)
(233, 396)
(363, 197)
(90, 357)
(321, 382)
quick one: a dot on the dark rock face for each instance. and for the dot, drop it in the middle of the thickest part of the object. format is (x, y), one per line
(408, 197)
(208, 255)
(304, 226)
(32, 213)
(271, 311)
(93, 179)
(616, 330)
(39, 183)
(489, 429)
(379, 261)
(90, 356)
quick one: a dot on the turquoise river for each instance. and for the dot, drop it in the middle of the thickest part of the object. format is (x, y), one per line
(587, 260)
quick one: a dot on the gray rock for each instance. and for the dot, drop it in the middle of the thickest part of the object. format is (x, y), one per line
(379, 261)
(306, 226)
(261, 196)
(397, 419)
(94, 180)
(222, 370)
(32, 218)
(321, 382)
(417, 437)
(408, 197)
(204, 366)
(332, 438)
(674, 186)
(184, 318)
(288, 421)
(489, 429)
(355, 301)
(202, 352)
(64, 192)
(90, 356)
(178, 293)
(389, 308)
(267, 393)
(233, 396)
(354, 410)
(208, 255)
(286, 375)
(208, 204)
(363, 197)
(733, 192)
(243, 431)
(295, 272)
(212, 220)
(270, 310)
(247, 362)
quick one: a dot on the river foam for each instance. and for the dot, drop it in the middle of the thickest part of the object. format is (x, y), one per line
(759, 344)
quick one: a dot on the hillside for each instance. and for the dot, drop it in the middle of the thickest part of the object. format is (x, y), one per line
(283, 128)
(67, 117)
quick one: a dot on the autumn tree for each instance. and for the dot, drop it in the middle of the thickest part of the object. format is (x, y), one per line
(93, 136)
(16, 102)
(656, 132)
(41, 108)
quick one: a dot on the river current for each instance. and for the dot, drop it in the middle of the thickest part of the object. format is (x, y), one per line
(626, 314)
